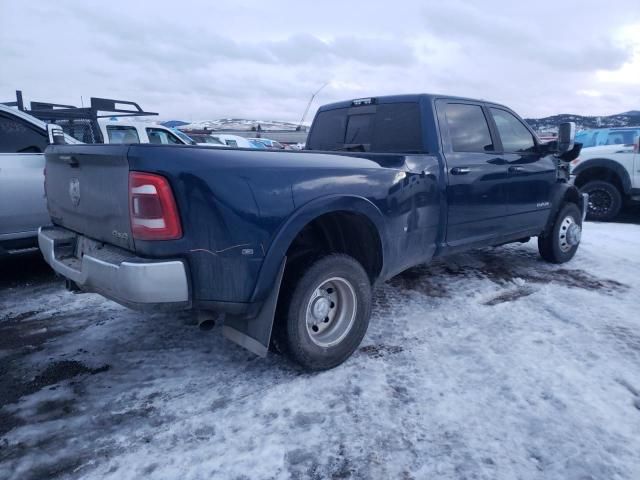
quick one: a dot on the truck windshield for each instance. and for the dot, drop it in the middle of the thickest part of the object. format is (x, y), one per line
(385, 128)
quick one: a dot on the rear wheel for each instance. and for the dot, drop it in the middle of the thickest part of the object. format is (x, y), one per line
(561, 243)
(605, 200)
(324, 312)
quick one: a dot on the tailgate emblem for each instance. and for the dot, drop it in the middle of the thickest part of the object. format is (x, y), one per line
(74, 191)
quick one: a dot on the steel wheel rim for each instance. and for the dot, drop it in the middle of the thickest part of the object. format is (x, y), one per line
(331, 312)
(600, 201)
(569, 233)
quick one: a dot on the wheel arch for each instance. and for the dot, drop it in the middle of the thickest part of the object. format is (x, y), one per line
(561, 194)
(307, 214)
(603, 169)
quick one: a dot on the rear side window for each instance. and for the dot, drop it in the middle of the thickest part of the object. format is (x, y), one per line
(386, 128)
(468, 128)
(122, 134)
(18, 137)
(514, 135)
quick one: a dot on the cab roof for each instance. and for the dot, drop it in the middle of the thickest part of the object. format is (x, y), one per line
(404, 98)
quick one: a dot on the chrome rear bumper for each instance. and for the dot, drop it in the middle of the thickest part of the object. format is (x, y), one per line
(132, 281)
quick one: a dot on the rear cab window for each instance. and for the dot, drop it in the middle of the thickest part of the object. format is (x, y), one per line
(122, 134)
(378, 128)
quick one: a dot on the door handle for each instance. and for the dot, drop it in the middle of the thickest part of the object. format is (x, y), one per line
(514, 169)
(460, 170)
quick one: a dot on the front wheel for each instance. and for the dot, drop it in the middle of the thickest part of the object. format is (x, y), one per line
(605, 200)
(560, 244)
(325, 313)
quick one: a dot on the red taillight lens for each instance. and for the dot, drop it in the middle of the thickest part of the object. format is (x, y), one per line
(153, 211)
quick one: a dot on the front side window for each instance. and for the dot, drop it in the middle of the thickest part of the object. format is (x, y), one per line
(515, 137)
(621, 137)
(122, 134)
(468, 128)
(18, 137)
(158, 135)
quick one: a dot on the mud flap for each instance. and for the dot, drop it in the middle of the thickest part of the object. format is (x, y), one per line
(254, 334)
(585, 205)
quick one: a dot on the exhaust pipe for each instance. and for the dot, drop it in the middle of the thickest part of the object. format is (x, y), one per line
(72, 286)
(205, 320)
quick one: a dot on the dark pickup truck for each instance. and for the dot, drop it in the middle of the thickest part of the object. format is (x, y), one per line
(289, 245)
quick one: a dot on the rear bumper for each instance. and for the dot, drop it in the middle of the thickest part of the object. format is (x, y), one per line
(114, 273)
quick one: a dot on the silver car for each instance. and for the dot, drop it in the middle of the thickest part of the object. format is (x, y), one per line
(23, 208)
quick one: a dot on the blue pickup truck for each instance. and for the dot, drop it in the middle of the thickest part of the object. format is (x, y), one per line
(289, 244)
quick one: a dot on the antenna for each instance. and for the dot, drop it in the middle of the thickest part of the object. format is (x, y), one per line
(306, 110)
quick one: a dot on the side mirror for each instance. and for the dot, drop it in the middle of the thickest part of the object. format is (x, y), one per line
(566, 137)
(55, 134)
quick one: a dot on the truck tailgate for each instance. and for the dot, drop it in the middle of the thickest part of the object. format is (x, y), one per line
(87, 188)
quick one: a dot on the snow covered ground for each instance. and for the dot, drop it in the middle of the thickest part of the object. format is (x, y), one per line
(489, 365)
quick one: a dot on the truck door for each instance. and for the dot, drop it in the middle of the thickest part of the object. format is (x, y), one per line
(531, 174)
(477, 174)
(22, 204)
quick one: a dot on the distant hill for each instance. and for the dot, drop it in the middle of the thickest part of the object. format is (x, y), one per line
(550, 124)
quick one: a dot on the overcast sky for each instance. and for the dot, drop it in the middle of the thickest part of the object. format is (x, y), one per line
(196, 60)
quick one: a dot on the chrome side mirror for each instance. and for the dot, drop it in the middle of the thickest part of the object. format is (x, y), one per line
(566, 137)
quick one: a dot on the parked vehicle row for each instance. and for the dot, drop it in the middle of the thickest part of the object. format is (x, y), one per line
(608, 169)
(23, 138)
(289, 245)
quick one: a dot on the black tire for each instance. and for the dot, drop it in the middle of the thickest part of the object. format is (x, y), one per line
(294, 337)
(553, 246)
(605, 200)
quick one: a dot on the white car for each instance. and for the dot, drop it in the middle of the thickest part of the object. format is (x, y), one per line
(267, 142)
(233, 140)
(610, 174)
(127, 131)
(205, 139)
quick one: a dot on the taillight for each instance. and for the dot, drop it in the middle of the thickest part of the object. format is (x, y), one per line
(153, 211)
